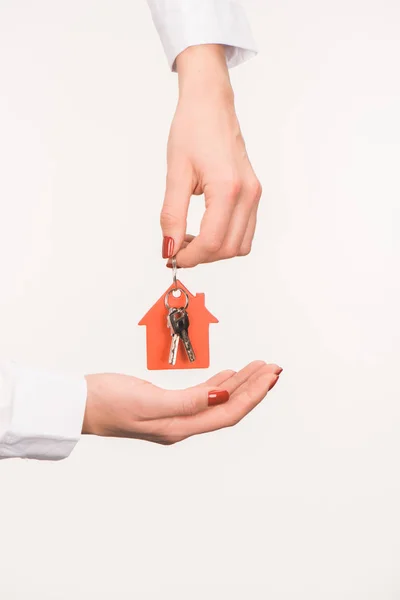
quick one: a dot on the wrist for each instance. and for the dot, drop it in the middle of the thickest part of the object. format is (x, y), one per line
(89, 421)
(202, 71)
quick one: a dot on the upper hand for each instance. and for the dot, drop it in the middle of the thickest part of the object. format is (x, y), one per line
(207, 154)
(123, 406)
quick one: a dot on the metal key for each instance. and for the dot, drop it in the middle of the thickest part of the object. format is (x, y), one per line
(173, 352)
(179, 321)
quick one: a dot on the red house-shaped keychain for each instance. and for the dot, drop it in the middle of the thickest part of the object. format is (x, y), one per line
(158, 334)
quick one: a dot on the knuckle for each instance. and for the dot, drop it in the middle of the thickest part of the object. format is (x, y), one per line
(168, 441)
(231, 251)
(255, 190)
(230, 418)
(212, 245)
(170, 436)
(245, 250)
(233, 420)
(232, 189)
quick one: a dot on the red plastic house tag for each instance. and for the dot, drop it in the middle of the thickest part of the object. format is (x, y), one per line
(158, 334)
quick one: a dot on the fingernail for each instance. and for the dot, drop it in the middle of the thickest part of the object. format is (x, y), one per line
(280, 370)
(217, 397)
(168, 247)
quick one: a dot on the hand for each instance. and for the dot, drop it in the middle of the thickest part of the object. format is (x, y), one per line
(123, 406)
(207, 154)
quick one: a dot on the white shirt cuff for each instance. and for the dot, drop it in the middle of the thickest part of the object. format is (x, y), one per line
(41, 413)
(184, 23)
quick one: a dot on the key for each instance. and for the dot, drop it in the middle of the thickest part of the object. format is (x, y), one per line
(173, 352)
(179, 321)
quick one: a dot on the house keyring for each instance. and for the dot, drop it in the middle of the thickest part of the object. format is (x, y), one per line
(163, 343)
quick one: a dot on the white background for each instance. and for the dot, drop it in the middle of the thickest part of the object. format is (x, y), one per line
(302, 499)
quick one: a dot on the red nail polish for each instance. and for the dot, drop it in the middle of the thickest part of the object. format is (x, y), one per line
(217, 397)
(168, 247)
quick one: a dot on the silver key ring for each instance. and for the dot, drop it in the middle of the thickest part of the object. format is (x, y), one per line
(167, 295)
(174, 272)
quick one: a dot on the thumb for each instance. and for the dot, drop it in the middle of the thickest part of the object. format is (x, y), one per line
(175, 208)
(180, 403)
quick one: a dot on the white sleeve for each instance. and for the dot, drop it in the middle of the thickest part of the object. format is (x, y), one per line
(184, 23)
(41, 413)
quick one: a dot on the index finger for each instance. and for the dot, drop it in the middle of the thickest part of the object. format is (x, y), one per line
(220, 203)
